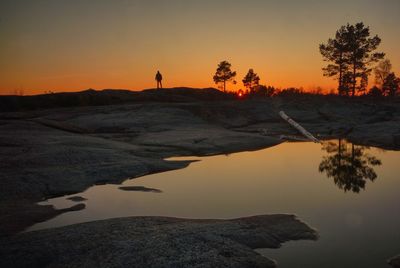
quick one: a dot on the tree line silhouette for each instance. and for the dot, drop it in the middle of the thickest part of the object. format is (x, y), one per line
(351, 57)
(251, 81)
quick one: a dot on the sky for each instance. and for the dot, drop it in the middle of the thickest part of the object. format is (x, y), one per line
(72, 45)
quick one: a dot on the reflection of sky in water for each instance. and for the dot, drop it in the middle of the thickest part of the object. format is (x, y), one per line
(357, 230)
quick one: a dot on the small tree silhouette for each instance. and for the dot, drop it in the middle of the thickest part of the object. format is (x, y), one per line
(391, 85)
(224, 74)
(375, 92)
(382, 70)
(264, 91)
(251, 80)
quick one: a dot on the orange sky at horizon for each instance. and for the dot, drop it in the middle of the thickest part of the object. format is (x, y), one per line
(71, 46)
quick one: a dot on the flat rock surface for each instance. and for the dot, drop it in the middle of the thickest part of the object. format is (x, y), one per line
(155, 242)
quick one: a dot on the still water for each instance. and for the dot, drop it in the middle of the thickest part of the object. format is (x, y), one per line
(349, 193)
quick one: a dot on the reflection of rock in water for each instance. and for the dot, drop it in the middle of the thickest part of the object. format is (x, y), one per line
(348, 165)
(139, 189)
(77, 198)
(16, 219)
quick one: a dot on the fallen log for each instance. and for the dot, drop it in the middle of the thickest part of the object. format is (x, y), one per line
(299, 127)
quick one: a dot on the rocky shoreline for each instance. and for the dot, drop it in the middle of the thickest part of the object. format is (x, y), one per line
(155, 242)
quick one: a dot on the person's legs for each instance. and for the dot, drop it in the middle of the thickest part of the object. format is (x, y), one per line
(160, 84)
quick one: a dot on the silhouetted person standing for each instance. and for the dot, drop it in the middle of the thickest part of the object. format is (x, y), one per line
(159, 79)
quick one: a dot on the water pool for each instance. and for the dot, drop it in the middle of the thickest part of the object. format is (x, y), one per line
(349, 193)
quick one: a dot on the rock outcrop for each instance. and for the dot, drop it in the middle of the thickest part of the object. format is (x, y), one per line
(155, 242)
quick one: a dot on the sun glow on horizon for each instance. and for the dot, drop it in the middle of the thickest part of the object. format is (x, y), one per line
(72, 46)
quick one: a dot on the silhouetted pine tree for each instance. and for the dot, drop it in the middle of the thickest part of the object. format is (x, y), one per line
(351, 54)
(334, 51)
(251, 80)
(224, 74)
(391, 85)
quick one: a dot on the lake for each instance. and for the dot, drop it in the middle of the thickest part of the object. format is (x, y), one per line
(349, 193)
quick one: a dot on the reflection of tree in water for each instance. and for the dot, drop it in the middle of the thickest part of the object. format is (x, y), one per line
(348, 165)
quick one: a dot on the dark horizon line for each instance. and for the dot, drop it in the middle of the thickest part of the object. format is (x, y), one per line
(47, 92)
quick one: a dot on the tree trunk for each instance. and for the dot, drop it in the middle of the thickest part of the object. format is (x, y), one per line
(354, 79)
(340, 89)
(224, 86)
